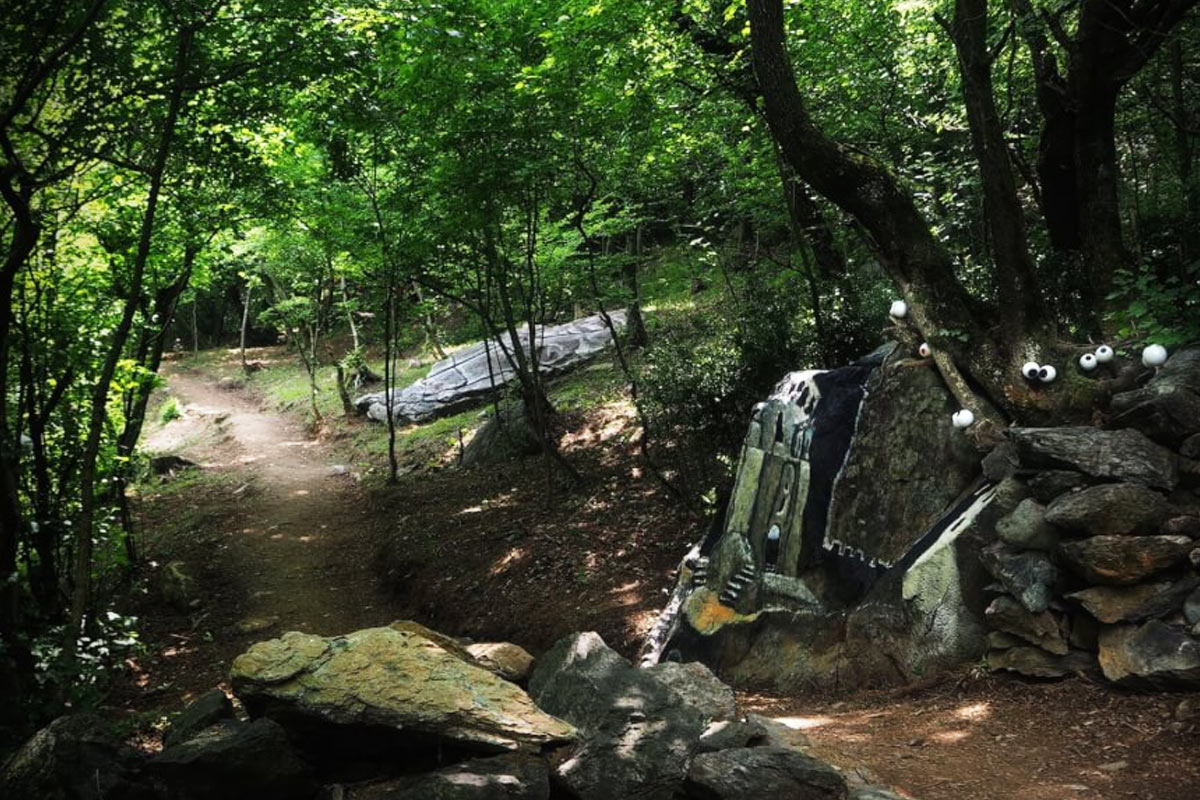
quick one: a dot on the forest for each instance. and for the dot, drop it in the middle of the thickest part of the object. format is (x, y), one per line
(240, 238)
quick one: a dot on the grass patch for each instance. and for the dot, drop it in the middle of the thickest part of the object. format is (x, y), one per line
(169, 410)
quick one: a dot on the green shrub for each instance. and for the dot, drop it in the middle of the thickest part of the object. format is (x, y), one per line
(1150, 307)
(169, 410)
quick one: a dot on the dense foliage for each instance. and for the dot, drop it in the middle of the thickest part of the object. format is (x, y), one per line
(365, 178)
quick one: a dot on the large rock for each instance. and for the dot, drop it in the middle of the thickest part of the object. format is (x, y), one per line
(1123, 560)
(207, 709)
(1006, 614)
(1026, 574)
(1115, 508)
(389, 679)
(483, 369)
(1026, 527)
(514, 776)
(1167, 408)
(1154, 655)
(1045, 485)
(637, 735)
(780, 773)
(1112, 604)
(1034, 662)
(698, 687)
(1124, 455)
(73, 758)
(235, 760)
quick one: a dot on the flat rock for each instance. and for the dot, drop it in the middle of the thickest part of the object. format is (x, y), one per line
(235, 759)
(1112, 604)
(1153, 655)
(1042, 629)
(1186, 525)
(513, 776)
(1123, 560)
(1026, 527)
(1122, 455)
(397, 679)
(1118, 508)
(207, 709)
(1026, 574)
(509, 661)
(1190, 448)
(637, 735)
(698, 687)
(780, 773)
(1034, 662)
(1191, 608)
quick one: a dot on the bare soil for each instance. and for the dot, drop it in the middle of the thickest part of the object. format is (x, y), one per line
(287, 535)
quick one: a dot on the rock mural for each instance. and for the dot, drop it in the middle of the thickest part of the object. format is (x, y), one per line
(476, 373)
(863, 546)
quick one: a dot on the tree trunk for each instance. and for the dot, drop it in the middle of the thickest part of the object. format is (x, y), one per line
(245, 325)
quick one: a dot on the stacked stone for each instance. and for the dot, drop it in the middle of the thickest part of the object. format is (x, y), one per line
(1099, 564)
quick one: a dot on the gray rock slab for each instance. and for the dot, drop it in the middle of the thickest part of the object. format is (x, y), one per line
(1026, 527)
(1034, 662)
(1123, 455)
(1113, 604)
(699, 688)
(207, 709)
(1042, 629)
(516, 776)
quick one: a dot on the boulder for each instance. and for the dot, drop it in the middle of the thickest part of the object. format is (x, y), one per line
(774, 772)
(1000, 462)
(1026, 574)
(509, 661)
(233, 760)
(1167, 408)
(513, 776)
(777, 734)
(1123, 560)
(207, 709)
(1124, 455)
(999, 640)
(502, 438)
(1153, 655)
(1045, 485)
(73, 758)
(1006, 614)
(637, 735)
(1117, 508)
(698, 687)
(1034, 662)
(389, 679)
(1026, 527)
(1112, 604)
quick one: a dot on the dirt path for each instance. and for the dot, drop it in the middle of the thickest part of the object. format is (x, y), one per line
(302, 554)
(276, 536)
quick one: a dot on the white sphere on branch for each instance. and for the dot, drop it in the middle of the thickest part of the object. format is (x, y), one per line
(963, 419)
(1154, 355)
(1104, 354)
(1087, 362)
(925, 350)
(899, 309)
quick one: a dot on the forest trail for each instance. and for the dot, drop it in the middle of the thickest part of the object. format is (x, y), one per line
(278, 537)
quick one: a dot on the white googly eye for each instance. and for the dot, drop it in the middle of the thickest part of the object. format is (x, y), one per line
(1087, 362)
(1047, 374)
(899, 309)
(1030, 370)
(963, 419)
(1154, 355)
(1104, 354)
(925, 350)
